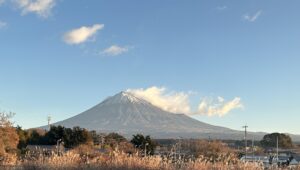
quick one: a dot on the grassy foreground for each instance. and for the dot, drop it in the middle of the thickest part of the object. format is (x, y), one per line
(121, 161)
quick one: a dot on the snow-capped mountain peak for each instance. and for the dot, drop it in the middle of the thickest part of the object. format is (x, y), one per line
(124, 97)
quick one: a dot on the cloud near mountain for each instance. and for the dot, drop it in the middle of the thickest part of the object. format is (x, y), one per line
(175, 102)
(219, 107)
(179, 102)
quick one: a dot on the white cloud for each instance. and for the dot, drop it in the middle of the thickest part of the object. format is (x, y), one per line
(82, 34)
(176, 102)
(2, 24)
(40, 7)
(252, 18)
(115, 50)
(218, 107)
(179, 102)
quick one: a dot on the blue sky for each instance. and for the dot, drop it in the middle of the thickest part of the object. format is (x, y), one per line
(61, 57)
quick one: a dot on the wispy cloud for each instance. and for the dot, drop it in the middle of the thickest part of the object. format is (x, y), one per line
(82, 34)
(222, 8)
(1, 2)
(252, 18)
(40, 7)
(115, 50)
(179, 102)
(219, 106)
(2, 24)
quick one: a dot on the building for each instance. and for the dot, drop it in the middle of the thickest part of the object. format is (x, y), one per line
(45, 149)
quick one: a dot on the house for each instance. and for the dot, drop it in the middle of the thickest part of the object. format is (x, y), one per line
(255, 158)
(286, 153)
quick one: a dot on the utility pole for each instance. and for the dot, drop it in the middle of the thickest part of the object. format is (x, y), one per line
(180, 144)
(245, 141)
(277, 148)
(253, 149)
(49, 120)
(102, 141)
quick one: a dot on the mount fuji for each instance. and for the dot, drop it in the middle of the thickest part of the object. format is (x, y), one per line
(127, 114)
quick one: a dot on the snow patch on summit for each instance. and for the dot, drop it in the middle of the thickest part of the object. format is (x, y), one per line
(124, 97)
(130, 97)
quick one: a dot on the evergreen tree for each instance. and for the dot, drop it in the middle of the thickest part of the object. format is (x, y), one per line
(141, 142)
(270, 140)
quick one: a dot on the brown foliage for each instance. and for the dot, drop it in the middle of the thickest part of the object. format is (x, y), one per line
(83, 149)
(9, 137)
(211, 150)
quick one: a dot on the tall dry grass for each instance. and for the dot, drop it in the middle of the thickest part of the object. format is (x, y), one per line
(120, 161)
(85, 157)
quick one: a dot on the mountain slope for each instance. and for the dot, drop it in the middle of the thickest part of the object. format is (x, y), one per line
(126, 114)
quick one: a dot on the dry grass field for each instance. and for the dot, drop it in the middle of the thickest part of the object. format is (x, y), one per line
(120, 161)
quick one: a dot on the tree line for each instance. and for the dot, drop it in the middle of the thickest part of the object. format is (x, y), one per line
(16, 139)
(12, 138)
(73, 137)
